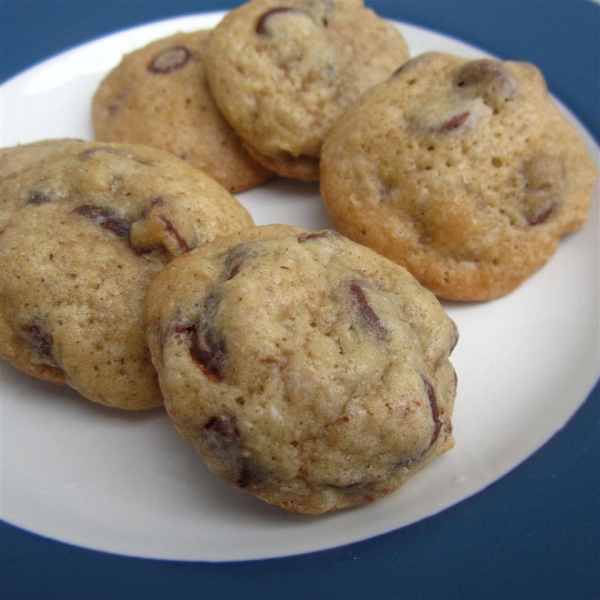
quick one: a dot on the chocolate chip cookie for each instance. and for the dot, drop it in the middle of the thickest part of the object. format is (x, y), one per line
(307, 370)
(17, 159)
(464, 171)
(158, 95)
(84, 227)
(282, 72)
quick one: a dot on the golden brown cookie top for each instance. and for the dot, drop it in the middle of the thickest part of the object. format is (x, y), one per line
(464, 171)
(281, 73)
(83, 230)
(15, 160)
(158, 96)
(307, 369)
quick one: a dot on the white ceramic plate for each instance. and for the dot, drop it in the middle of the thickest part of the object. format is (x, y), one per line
(127, 483)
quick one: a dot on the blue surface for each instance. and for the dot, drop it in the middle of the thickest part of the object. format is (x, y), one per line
(533, 534)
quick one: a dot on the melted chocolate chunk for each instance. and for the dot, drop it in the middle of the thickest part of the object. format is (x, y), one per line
(38, 198)
(154, 228)
(358, 488)
(263, 21)
(209, 350)
(170, 60)
(174, 232)
(236, 258)
(368, 491)
(250, 475)
(234, 269)
(455, 122)
(366, 312)
(91, 152)
(223, 437)
(540, 217)
(38, 338)
(435, 412)
(544, 184)
(489, 79)
(114, 106)
(317, 235)
(106, 218)
(222, 431)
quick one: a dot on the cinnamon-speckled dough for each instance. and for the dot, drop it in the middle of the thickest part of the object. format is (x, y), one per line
(158, 95)
(84, 227)
(282, 72)
(306, 369)
(463, 171)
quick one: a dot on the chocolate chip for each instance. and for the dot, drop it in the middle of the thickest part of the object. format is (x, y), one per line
(488, 79)
(366, 312)
(359, 488)
(223, 437)
(455, 122)
(263, 21)
(207, 348)
(234, 269)
(250, 475)
(236, 258)
(540, 217)
(114, 106)
(38, 198)
(174, 232)
(435, 411)
(544, 183)
(91, 152)
(170, 60)
(38, 338)
(156, 230)
(106, 218)
(317, 235)
(222, 431)
(366, 491)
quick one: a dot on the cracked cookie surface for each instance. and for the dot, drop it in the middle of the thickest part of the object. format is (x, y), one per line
(464, 171)
(281, 73)
(84, 227)
(306, 369)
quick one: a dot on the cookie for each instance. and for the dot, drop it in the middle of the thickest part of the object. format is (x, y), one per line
(282, 72)
(307, 370)
(17, 159)
(463, 171)
(158, 95)
(84, 228)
